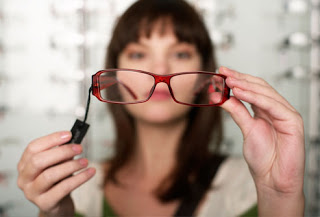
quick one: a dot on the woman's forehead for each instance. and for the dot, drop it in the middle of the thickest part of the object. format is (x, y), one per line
(161, 26)
(156, 40)
(161, 31)
(155, 36)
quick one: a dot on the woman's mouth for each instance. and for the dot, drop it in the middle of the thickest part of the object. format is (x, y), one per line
(160, 95)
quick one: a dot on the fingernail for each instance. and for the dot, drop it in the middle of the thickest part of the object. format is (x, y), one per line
(91, 171)
(230, 78)
(83, 162)
(77, 148)
(65, 135)
(237, 89)
(224, 68)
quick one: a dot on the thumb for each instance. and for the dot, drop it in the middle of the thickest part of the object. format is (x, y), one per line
(239, 114)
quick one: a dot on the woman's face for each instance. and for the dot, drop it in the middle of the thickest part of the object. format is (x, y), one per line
(161, 54)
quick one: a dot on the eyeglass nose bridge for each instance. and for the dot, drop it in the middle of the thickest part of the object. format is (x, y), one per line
(162, 79)
(159, 79)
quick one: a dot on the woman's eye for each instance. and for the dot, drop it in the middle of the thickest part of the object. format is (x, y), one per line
(136, 55)
(182, 55)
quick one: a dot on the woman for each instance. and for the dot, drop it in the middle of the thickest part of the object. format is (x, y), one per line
(162, 156)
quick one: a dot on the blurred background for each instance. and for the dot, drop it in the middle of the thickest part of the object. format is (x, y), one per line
(50, 48)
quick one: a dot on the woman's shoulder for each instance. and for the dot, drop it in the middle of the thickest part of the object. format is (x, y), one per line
(232, 190)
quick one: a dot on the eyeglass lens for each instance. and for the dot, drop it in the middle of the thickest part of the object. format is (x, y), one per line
(133, 87)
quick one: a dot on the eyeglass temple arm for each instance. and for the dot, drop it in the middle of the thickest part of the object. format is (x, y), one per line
(88, 105)
(107, 82)
(80, 128)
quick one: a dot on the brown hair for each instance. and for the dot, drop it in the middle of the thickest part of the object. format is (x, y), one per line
(204, 124)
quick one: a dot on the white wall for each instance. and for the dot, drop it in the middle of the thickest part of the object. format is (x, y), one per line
(47, 56)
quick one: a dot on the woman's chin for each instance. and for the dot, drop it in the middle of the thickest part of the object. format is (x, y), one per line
(158, 112)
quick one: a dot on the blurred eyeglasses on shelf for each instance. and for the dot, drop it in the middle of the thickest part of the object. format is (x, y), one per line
(69, 8)
(129, 86)
(296, 6)
(297, 40)
(223, 40)
(297, 72)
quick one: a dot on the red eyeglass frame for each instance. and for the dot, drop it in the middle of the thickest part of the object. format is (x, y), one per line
(158, 79)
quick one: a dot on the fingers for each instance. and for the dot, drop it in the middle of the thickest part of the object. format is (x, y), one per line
(49, 141)
(49, 199)
(33, 160)
(66, 186)
(43, 143)
(40, 161)
(53, 175)
(257, 92)
(276, 110)
(265, 101)
(215, 97)
(254, 84)
(239, 114)
(234, 74)
(45, 170)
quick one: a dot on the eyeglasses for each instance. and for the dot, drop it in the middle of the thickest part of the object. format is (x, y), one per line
(129, 86)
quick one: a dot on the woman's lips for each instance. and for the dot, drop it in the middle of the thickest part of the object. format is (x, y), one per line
(160, 95)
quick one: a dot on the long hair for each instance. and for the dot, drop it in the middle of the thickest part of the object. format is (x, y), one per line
(204, 125)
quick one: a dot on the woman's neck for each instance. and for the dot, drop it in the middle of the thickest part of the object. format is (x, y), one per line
(156, 147)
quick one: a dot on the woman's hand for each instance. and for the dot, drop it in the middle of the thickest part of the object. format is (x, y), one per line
(45, 173)
(273, 143)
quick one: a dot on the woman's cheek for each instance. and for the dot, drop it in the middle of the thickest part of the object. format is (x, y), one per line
(140, 64)
(185, 65)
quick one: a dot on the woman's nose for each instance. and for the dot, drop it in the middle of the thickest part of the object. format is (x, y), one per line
(161, 66)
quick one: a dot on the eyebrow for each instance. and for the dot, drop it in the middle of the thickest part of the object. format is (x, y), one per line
(136, 44)
(178, 43)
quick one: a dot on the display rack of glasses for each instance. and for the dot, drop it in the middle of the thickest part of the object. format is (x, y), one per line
(216, 15)
(2, 75)
(48, 52)
(314, 125)
(299, 58)
(41, 83)
(49, 49)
